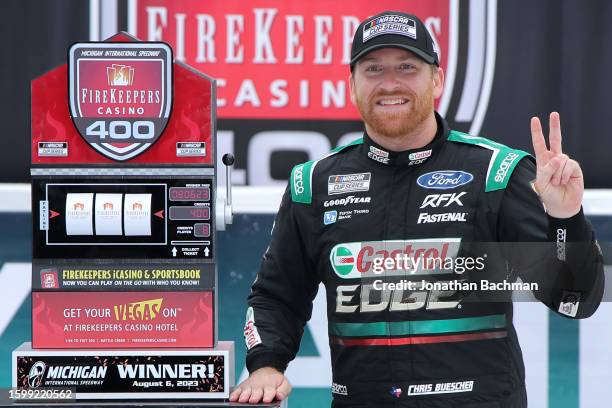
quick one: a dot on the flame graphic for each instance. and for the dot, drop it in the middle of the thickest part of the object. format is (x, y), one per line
(43, 315)
(200, 313)
(120, 75)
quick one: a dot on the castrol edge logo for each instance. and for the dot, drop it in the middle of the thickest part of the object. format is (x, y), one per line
(120, 95)
(416, 257)
(274, 59)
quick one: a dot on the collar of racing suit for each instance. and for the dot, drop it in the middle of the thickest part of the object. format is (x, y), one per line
(407, 157)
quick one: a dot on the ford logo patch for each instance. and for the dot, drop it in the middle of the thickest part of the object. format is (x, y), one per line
(443, 180)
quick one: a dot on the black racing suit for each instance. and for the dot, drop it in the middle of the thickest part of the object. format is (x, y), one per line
(417, 346)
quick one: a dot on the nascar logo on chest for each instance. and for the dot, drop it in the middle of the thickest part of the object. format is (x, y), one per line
(348, 183)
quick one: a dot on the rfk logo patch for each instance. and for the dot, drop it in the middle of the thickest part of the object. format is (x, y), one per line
(120, 95)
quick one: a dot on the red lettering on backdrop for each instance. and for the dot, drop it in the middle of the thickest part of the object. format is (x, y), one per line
(275, 59)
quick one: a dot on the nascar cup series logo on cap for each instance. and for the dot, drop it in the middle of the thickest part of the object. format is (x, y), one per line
(390, 24)
(120, 95)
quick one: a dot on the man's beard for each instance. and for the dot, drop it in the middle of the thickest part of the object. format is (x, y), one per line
(397, 124)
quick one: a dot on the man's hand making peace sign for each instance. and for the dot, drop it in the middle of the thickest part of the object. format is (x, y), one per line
(559, 181)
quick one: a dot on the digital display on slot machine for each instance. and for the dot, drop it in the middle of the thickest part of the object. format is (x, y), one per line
(201, 230)
(189, 194)
(189, 213)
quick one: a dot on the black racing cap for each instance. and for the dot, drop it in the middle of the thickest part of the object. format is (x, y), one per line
(394, 29)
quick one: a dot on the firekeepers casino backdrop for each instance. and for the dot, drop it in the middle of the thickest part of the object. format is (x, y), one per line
(282, 95)
(282, 69)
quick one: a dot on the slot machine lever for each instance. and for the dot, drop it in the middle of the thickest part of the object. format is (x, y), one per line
(228, 161)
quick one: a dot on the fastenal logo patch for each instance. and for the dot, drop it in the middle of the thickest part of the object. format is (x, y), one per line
(390, 24)
(120, 95)
(444, 180)
(426, 218)
(348, 183)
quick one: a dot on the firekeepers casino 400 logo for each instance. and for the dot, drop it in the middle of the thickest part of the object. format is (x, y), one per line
(120, 95)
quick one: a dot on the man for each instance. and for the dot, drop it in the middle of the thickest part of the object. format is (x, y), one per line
(412, 186)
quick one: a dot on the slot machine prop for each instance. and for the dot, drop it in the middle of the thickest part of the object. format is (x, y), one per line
(125, 213)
